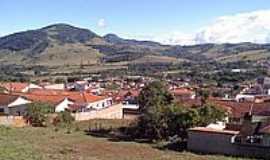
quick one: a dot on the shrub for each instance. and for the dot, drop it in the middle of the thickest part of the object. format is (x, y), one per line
(37, 114)
(64, 119)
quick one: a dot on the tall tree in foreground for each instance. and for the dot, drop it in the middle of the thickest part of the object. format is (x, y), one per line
(153, 95)
(162, 118)
(153, 101)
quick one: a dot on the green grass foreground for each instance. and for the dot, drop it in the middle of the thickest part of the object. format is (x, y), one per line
(49, 144)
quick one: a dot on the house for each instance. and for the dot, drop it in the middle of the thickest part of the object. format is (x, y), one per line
(62, 100)
(60, 86)
(129, 99)
(18, 87)
(261, 88)
(252, 139)
(245, 98)
(183, 93)
(237, 111)
(127, 96)
(265, 84)
(13, 105)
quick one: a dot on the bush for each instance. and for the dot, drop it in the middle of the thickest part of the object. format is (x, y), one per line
(65, 120)
(37, 114)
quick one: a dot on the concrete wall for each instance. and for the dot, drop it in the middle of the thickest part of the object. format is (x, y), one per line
(112, 112)
(215, 143)
(13, 121)
(130, 116)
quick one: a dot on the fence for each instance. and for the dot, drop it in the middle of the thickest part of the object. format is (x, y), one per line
(13, 121)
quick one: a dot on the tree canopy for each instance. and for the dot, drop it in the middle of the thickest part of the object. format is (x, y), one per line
(163, 118)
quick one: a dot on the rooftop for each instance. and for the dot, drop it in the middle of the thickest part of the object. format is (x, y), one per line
(215, 131)
(56, 96)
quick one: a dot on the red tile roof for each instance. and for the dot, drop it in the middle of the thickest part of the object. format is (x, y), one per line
(235, 109)
(122, 94)
(56, 96)
(239, 109)
(182, 91)
(14, 86)
(6, 99)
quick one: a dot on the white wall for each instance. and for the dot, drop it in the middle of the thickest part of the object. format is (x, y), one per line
(55, 86)
(31, 86)
(100, 104)
(19, 105)
(245, 97)
(62, 106)
(19, 101)
(113, 112)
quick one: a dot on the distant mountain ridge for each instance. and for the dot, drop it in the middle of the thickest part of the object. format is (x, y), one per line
(63, 44)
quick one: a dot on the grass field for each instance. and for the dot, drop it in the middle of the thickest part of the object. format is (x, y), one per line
(48, 144)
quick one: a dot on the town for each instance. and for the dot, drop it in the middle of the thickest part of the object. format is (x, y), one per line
(135, 80)
(244, 131)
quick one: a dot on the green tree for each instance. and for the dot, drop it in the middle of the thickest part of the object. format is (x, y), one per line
(161, 118)
(153, 95)
(204, 94)
(59, 80)
(37, 114)
(181, 119)
(154, 100)
(210, 113)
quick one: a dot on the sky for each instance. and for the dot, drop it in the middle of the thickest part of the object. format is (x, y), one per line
(166, 21)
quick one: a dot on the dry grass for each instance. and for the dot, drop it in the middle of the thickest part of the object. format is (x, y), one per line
(47, 144)
(157, 59)
(249, 55)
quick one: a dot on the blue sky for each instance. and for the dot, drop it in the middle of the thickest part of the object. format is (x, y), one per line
(123, 17)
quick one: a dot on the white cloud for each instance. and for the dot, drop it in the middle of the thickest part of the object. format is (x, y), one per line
(101, 23)
(241, 27)
(175, 37)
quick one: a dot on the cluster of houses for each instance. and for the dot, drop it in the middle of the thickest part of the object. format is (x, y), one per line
(245, 132)
(16, 97)
(80, 96)
(260, 91)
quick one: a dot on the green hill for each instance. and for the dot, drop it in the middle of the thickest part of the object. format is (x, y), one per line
(63, 44)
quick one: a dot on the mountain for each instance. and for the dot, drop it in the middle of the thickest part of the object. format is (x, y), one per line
(63, 44)
(114, 39)
(54, 44)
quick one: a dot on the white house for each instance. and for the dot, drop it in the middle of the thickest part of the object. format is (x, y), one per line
(89, 104)
(100, 104)
(63, 105)
(244, 97)
(31, 86)
(13, 105)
